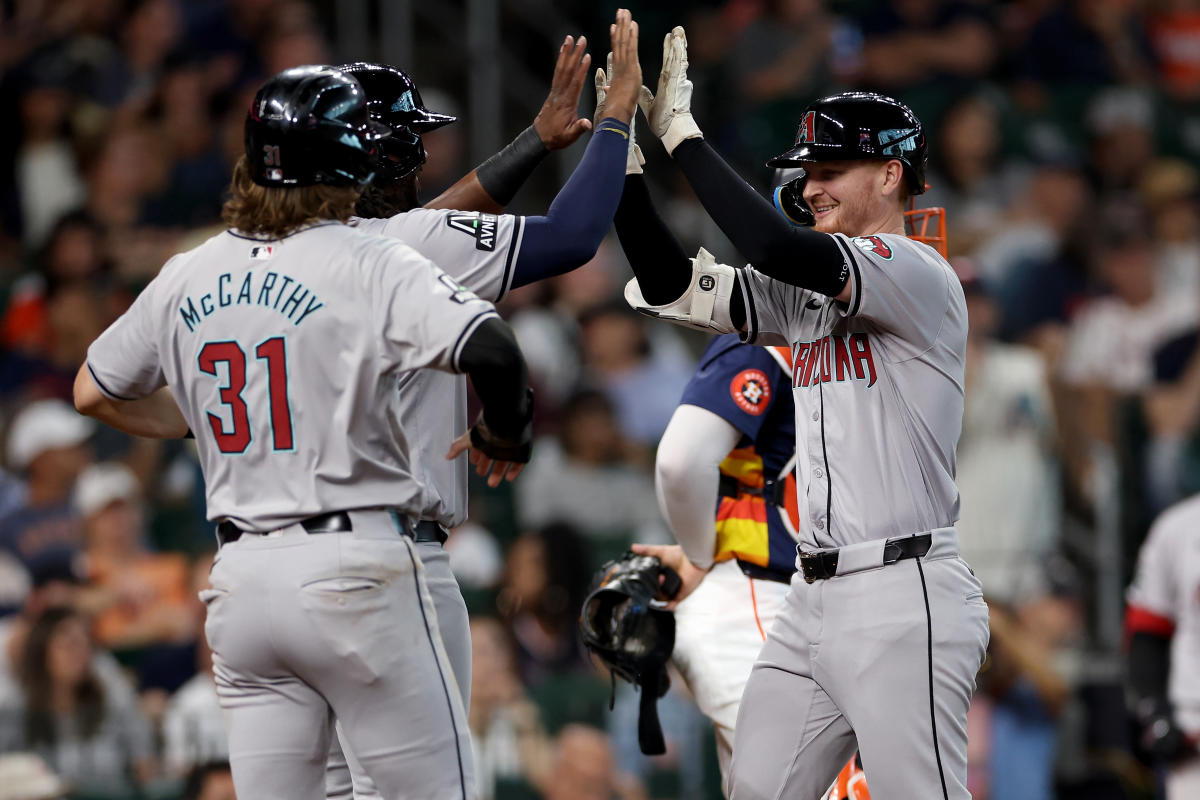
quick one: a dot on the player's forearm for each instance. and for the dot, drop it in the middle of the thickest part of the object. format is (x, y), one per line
(572, 229)
(493, 361)
(662, 269)
(467, 194)
(1149, 665)
(687, 478)
(156, 416)
(797, 256)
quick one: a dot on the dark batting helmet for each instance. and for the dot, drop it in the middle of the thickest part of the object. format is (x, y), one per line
(393, 99)
(860, 125)
(310, 125)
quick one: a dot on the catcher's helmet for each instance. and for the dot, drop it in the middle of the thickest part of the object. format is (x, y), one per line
(858, 125)
(393, 99)
(309, 125)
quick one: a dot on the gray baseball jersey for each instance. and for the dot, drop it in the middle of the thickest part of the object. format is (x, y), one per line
(881, 657)
(480, 251)
(878, 387)
(229, 326)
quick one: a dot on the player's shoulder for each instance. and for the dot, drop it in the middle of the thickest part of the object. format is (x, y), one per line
(1181, 520)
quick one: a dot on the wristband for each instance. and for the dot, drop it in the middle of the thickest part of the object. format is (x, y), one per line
(504, 173)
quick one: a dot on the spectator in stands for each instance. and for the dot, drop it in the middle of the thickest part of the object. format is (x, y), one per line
(1006, 451)
(507, 734)
(1173, 27)
(967, 175)
(1029, 682)
(149, 31)
(1170, 190)
(584, 478)
(193, 726)
(24, 776)
(913, 43)
(73, 250)
(47, 444)
(139, 598)
(47, 175)
(211, 781)
(92, 736)
(583, 769)
(1120, 121)
(1113, 339)
(1172, 411)
(1084, 43)
(643, 382)
(545, 579)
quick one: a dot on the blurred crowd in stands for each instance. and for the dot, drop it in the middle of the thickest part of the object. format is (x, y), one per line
(1065, 143)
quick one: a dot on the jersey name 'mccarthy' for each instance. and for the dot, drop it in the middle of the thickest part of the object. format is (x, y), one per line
(833, 358)
(274, 290)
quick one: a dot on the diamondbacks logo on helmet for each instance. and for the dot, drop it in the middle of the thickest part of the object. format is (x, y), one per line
(806, 134)
(751, 391)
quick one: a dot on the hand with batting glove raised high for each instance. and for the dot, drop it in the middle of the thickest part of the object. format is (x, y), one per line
(624, 78)
(669, 112)
(634, 159)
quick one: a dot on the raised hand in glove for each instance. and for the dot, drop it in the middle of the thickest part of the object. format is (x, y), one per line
(669, 112)
(634, 160)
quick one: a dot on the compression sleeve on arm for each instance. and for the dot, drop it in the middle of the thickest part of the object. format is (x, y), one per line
(798, 256)
(1149, 665)
(662, 268)
(497, 370)
(572, 229)
(686, 477)
(505, 172)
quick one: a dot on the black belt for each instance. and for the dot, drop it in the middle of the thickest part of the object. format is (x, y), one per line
(819, 566)
(772, 491)
(339, 522)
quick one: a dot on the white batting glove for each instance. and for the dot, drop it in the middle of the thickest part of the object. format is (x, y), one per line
(633, 158)
(670, 111)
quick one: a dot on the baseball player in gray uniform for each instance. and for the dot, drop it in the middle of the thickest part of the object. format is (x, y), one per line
(279, 342)
(489, 254)
(884, 626)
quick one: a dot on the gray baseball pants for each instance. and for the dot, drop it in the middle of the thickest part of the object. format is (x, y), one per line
(308, 627)
(878, 658)
(344, 776)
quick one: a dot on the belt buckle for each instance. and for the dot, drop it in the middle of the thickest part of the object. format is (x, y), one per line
(806, 566)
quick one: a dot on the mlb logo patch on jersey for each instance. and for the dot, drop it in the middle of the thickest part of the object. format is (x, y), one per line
(751, 391)
(262, 252)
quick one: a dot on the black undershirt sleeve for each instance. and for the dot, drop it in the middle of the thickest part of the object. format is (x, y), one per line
(498, 374)
(662, 268)
(1149, 665)
(797, 256)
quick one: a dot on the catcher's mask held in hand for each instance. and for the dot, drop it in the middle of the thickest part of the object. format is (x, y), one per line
(633, 635)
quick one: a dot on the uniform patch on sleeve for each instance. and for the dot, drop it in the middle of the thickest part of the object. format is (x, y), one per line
(873, 244)
(479, 225)
(751, 391)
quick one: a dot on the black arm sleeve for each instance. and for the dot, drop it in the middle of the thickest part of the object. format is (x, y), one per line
(798, 256)
(497, 370)
(1149, 665)
(659, 263)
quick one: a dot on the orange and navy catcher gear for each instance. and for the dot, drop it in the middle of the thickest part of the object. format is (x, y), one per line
(756, 515)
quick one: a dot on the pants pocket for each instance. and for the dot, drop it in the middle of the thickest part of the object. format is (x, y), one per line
(356, 618)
